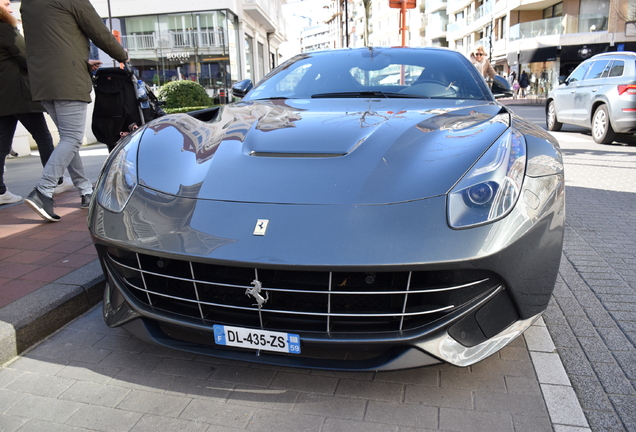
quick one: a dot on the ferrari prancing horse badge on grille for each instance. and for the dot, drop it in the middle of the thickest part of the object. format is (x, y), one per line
(261, 227)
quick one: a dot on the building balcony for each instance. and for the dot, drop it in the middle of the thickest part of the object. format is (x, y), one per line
(456, 27)
(473, 22)
(532, 29)
(263, 12)
(456, 5)
(558, 26)
(176, 40)
(433, 32)
(435, 5)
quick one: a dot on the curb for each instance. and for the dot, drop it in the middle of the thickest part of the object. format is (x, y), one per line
(34, 317)
(560, 399)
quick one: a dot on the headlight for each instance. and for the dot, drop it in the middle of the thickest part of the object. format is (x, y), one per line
(491, 188)
(119, 178)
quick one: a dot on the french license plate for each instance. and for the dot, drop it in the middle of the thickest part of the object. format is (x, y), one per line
(257, 339)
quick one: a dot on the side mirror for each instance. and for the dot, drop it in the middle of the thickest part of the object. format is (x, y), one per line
(501, 87)
(241, 88)
(563, 79)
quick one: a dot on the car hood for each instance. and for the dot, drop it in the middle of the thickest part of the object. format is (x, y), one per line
(322, 151)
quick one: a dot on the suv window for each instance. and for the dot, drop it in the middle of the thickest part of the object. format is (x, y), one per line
(617, 68)
(597, 69)
(579, 72)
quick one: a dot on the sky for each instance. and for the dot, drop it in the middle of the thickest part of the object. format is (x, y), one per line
(300, 14)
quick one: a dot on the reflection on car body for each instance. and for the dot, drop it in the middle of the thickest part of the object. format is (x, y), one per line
(365, 226)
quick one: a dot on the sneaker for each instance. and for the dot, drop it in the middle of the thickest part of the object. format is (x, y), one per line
(9, 198)
(86, 200)
(42, 205)
(63, 185)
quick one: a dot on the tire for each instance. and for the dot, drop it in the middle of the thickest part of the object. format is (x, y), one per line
(602, 131)
(551, 119)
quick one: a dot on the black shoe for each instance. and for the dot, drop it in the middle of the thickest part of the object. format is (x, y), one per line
(42, 205)
(86, 200)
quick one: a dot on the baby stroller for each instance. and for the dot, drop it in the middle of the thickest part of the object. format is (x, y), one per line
(118, 111)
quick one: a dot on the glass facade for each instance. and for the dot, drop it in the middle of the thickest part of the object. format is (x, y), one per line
(197, 46)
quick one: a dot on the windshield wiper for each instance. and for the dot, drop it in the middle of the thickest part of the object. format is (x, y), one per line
(365, 94)
(360, 94)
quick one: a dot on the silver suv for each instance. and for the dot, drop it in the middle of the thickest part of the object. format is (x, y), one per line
(600, 94)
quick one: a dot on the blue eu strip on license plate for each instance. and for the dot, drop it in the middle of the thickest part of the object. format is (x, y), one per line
(256, 339)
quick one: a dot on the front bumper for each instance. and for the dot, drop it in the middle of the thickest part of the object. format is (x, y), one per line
(368, 355)
(159, 234)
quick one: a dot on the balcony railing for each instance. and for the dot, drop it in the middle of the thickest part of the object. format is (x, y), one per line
(173, 39)
(483, 10)
(532, 29)
(138, 42)
(560, 25)
(456, 26)
(433, 5)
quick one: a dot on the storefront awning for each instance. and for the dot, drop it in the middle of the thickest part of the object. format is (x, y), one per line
(499, 60)
(542, 54)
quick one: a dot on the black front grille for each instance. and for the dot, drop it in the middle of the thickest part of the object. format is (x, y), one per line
(295, 301)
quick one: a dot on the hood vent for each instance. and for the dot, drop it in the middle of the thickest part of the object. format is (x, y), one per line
(295, 155)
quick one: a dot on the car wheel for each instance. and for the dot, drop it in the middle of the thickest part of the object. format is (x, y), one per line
(551, 119)
(602, 131)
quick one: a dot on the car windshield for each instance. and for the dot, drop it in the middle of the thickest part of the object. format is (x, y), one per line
(378, 73)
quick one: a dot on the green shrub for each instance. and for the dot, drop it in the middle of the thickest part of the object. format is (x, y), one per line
(179, 94)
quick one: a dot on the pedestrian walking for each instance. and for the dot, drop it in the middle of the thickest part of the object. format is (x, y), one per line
(479, 59)
(57, 34)
(512, 77)
(524, 82)
(16, 104)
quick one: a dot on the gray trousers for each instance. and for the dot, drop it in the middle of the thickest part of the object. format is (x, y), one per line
(70, 119)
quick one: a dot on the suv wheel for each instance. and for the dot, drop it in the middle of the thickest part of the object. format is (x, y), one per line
(551, 119)
(602, 131)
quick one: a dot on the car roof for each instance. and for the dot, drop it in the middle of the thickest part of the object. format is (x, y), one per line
(382, 48)
(617, 54)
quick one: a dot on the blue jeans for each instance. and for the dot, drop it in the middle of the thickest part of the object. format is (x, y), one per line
(70, 119)
(36, 125)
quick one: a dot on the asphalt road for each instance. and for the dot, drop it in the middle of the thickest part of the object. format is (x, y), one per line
(89, 377)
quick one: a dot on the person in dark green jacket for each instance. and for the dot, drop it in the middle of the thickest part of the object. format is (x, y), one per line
(15, 98)
(57, 34)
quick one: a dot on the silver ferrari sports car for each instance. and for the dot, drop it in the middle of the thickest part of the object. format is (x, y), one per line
(357, 209)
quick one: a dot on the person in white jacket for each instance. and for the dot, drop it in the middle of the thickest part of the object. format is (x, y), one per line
(480, 60)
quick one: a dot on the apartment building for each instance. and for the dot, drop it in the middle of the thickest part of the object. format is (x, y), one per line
(546, 38)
